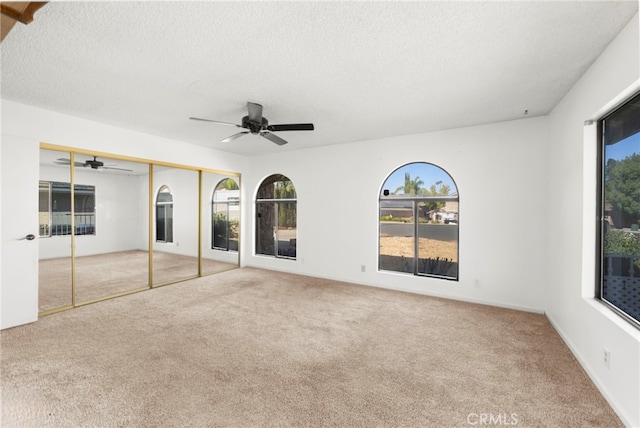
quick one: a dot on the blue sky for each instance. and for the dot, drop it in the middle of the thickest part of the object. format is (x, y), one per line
(428, 173)
(623, 148)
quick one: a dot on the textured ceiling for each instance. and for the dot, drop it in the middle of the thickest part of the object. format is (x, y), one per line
(357, 70)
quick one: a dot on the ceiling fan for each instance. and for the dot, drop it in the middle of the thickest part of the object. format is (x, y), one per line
(89, 163)
(255, 123)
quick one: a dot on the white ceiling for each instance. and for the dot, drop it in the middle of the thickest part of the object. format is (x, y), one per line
(357, 70)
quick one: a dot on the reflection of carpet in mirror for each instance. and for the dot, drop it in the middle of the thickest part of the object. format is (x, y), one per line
(107, 274)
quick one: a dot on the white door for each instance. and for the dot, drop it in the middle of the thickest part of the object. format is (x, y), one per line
(19, 161)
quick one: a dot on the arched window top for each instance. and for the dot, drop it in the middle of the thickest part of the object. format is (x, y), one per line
(226, 190)
(419, 179)
(276, 186)
(164, 195)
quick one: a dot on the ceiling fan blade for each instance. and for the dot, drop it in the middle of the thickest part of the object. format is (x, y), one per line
(64, 161)
(215, 121)
(255, 112)
(273, 138)
(117, 169)
(235, 136)
(291, 127)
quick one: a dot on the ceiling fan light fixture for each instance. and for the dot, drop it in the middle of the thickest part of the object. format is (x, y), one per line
(255, 123)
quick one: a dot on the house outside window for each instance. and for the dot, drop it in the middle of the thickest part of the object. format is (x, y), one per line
(418, 222)
(276, 222)
(618, 282)
(164, 215)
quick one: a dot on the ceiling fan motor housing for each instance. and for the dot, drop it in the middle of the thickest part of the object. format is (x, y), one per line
(95, 164)
(253, 126)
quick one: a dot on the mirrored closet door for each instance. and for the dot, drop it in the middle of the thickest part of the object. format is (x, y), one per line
(54, 202)
(176, 220)
(111, 226)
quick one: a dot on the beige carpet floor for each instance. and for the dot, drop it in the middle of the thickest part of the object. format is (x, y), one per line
(250, 347)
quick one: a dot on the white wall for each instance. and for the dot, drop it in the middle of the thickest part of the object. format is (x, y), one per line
(586, 325)
(497, 168)
(61, 129)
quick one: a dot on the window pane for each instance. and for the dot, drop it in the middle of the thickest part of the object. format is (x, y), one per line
(220, 237)
(286, 232)
(234, 224)
(60, 209)
(169, 223)
(160, 223)
(265, 228)
(85, 209)
(621, 209)
(397, 243)
(437, 239)
(43, 204)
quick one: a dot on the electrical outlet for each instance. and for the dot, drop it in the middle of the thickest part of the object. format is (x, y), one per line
(606, 358)
(363, 268)
(476, 283)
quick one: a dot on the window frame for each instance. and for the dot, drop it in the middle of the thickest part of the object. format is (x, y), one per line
(79, 229)
(168, 226)
(226, 204)
(277, 202)
(601, 217)
(385, 195)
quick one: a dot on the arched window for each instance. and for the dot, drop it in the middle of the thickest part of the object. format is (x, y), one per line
(164, 215)
(276, 211)
(225, 215)
(418, 222)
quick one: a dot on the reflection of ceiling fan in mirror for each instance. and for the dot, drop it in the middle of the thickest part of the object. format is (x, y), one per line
(89, 163)
(255, 123)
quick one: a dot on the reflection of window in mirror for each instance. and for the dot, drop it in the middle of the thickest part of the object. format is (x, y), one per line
(225, 215)
(55, 209)
(164, 215)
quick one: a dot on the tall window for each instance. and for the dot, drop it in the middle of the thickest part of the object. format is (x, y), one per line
(225, 215)
(619, 273)
(55, 209)
(419, 222)
(164, 215)
(276, 210)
